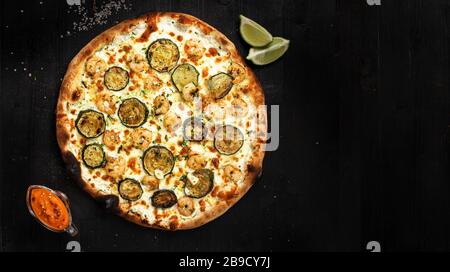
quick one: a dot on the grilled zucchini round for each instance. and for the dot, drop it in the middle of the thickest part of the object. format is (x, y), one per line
(116, 78)
(93, 156)
(220, 85)
(132, 113)
(163, 55)
(183, 75)
(228, 140)
(158, 158)
(199, 183)
(90, 123)
(130, 189)
(164, 199)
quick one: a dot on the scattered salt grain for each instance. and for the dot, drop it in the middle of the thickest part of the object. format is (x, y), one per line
(100, 15)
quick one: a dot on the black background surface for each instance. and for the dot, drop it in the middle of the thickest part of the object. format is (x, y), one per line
(365, 111)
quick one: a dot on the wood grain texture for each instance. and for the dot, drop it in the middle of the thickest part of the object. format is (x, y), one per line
(364, 96)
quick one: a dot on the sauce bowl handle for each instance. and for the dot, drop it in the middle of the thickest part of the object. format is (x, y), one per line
(72, 230)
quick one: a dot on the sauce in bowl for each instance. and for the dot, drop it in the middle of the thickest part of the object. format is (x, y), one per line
(51, 209)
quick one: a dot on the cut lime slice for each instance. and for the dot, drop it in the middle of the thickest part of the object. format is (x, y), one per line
(270, 53)
(253, 33)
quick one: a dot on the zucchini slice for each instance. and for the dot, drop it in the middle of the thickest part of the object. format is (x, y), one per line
(158, 158)
(164, 199)
(163, 55)
(116, 78)
(220, 84)
(130, 189)
(199, 183)
(183, 75)
(132, 113)
(90, 123)
(194, 129)
(93, 156)
(228, 140)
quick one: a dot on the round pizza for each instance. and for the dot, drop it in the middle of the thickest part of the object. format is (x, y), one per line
(161, 119)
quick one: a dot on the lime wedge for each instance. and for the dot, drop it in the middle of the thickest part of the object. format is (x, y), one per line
(270, 53)
(253, 33)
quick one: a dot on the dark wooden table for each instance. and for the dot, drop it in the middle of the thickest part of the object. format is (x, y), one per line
(364, 115)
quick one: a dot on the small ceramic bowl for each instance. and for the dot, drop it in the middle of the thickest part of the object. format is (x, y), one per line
(71, 229)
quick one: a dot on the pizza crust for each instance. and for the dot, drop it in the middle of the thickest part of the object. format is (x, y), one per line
(68, 92)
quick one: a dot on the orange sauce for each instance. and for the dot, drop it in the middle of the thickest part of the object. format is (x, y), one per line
(49, 209)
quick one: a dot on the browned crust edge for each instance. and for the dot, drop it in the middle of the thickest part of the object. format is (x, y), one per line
(63, 132)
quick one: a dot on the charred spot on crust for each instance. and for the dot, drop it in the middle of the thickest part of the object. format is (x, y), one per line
(251, 168)
(173, 225)
(73, 167)
(256, 170)
(184, 20)
(86, 53)
(223, 41)
(110, 202)
(62, 135)
(205, 28)
(60, 116)
(76, 95)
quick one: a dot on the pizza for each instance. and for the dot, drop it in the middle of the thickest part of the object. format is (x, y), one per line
(161, 119)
